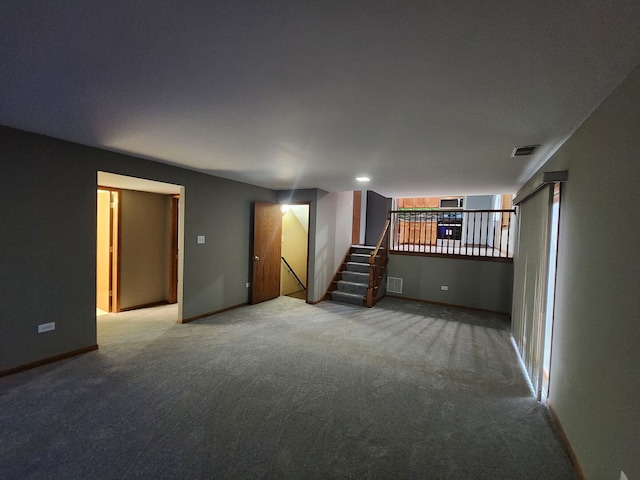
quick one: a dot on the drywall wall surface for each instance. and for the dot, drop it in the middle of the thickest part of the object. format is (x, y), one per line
(144, 248)
(344, 224)
(471, 283)
(47, 253)
(47, 249)
(480, 228)
(216, 272)
(332, 238)
(479, 202)
(302, 214)
(377, 213)
(595, 362)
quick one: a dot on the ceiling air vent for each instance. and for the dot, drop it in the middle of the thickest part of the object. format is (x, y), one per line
(523, 151)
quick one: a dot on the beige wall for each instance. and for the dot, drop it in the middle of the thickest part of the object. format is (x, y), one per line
(144, 248)
(294, 249)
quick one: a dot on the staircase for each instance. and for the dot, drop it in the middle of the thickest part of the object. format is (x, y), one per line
(352, 280)
(360, 278)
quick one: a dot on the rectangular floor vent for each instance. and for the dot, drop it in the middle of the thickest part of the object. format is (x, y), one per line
(394, 285)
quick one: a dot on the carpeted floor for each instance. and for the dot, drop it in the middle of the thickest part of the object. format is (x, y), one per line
(284, 390)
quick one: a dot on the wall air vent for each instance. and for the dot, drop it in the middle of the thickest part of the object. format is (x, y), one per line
(524, 151)
(394, 285)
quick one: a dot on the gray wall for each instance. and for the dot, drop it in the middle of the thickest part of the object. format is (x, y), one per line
(479, 202)
(144, 248)
(595, 363)
(377, 213)
(47, 250)
(472, 283)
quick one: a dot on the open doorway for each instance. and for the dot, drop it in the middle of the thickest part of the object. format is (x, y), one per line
(107, 234)
(295, 251)
(140, 234)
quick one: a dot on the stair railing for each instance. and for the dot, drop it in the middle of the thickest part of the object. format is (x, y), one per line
(461, 233)
(378, 260)
(292, 272)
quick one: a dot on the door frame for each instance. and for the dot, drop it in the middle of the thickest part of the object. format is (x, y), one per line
(114, 246)
(119, 181)
(174, 251)
(307, 261)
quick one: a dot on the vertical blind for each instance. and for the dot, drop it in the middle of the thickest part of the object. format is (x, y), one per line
(530, 281)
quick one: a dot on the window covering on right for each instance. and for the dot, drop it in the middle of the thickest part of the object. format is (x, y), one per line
(530, 265)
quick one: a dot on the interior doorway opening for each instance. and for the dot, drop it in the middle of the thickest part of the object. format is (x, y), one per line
(107, 234)
(139, 245)
(294, 251)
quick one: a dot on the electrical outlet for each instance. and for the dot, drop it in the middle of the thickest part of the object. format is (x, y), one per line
(444, 287)
(46, 327)
(200, 239)
(623, 476)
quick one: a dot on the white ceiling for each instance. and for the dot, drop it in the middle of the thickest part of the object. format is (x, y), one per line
(425, 97)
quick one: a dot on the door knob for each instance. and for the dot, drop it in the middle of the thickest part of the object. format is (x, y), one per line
(256, 258)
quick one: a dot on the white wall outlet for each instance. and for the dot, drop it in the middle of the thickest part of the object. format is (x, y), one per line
(623, 476)
(248, 284)
(200, 238)
(46, 327)
(444, 287)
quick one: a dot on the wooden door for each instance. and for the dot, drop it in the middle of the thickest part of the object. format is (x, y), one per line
(355, 225)
(267, 240)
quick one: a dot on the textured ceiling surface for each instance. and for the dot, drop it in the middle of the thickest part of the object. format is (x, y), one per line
(424, 97)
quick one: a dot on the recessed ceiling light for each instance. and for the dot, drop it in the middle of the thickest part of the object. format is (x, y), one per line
(363, 179)
(523, 151)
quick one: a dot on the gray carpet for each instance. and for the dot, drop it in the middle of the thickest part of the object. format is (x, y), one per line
(284, 390)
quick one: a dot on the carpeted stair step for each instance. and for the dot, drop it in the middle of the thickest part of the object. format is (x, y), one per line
(358, 267)
(352, 287)
(344, 297)
(363, 249)
(356, 277)
(359, 257)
